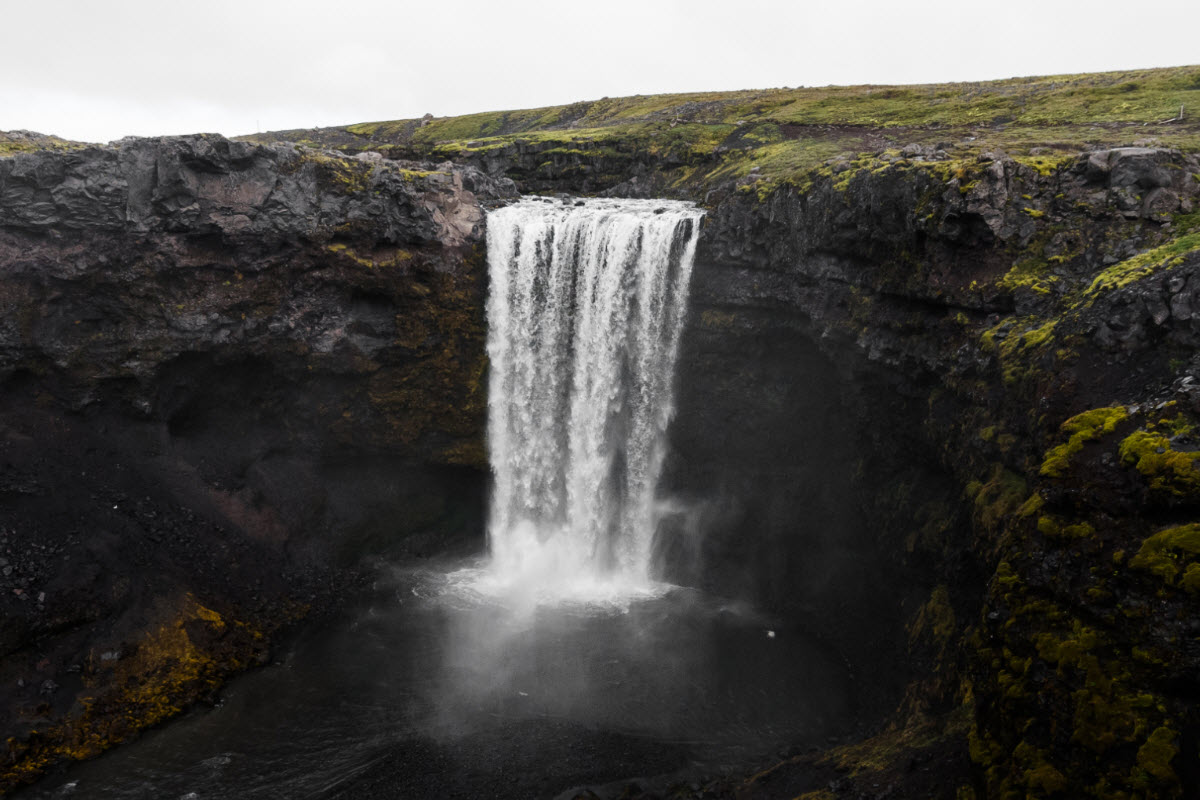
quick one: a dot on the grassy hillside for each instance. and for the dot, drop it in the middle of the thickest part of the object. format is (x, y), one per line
(780, 134)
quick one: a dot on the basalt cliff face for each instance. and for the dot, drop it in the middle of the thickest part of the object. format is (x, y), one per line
(960, 401)
(226, 370)
(937, 405)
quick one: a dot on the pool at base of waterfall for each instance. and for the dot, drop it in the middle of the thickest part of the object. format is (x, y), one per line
(423, 688)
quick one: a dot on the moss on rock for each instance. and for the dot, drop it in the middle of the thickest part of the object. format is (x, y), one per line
(1166, 470)
(1080, 429)
(1169, 553)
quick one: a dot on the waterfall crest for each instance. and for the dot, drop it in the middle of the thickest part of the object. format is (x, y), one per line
(584, 314)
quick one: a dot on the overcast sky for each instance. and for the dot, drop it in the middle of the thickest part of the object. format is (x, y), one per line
(96, 70)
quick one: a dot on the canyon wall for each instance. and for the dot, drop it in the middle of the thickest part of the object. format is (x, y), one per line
(226, 372)
(946, 411)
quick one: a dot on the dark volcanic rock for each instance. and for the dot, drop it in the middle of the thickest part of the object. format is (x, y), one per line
(895, 362)
(227, 371)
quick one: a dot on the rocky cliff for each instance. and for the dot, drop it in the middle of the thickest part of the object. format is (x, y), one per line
(228, 371)
(970, 438)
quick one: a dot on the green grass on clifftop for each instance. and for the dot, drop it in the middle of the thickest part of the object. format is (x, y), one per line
(785, 132)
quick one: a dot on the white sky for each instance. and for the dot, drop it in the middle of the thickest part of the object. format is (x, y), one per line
(96, 70)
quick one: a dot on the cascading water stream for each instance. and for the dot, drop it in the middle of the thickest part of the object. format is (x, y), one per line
(586, 305)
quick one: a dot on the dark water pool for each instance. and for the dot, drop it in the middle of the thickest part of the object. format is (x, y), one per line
(421, 690)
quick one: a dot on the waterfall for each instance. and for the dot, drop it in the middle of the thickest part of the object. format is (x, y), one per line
(584, 315)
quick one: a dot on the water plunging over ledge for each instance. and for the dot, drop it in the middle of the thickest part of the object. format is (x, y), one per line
(586, 306)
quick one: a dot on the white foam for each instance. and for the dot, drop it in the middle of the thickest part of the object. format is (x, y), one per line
(586, 305)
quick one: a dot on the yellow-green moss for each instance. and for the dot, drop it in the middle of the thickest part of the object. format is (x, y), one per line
(1066, 650)
(1031, 273)
(1080, 429)
(717, 320)
(347, 175)
(1045, 166)
(1002, 495)
(1155, 755)
(1171, 552)
(174, 663)
(935, 621)
(1006, 576)
(1165, 469)
(1045, 778)
(1031, 506)
(1020, 345)
(1102, 702)
(13, 144)
(1051, 525)
(1039, 776)
(1143, 265)
(391, 258)
(895, 744)
(1191, 579)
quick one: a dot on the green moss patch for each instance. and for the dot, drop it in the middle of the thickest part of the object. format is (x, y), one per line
(187, 655)
(1156, 754)
(1170, 553)
(1105, 710)
(1165, 469)
(1081, 429)
(1143, 265)
(12, 144)
(1001, 496)
(935, 621)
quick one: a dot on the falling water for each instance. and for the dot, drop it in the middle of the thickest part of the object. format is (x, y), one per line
(587, 300)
